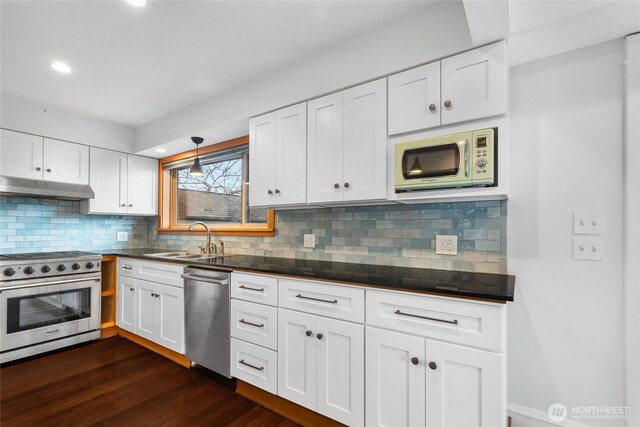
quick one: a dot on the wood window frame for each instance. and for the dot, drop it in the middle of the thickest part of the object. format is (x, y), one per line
(167, 199)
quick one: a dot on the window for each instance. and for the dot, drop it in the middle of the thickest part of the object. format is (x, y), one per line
(219, 198)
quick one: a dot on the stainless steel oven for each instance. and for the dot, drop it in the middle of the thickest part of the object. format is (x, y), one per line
(58, 307)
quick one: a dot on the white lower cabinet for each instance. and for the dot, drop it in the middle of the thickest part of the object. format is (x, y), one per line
(152, 310)
(320, 365)
(415, 381)
(254, 364)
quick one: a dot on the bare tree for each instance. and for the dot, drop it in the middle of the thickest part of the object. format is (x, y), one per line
(221, 177)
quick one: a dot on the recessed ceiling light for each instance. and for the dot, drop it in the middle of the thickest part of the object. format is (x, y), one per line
(160, 150)
(61, 67)
(137, 3)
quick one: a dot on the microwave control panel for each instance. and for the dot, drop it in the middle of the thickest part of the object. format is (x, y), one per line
(484, 163)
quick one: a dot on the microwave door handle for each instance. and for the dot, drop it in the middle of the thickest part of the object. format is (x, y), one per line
(466, 158)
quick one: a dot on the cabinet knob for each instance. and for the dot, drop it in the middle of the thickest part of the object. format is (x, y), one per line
(269, 192)
(447, 103)
(277, 191)
(432, 107)
(309, 333)
(131, 205)
(38, 168)
(346, 185)
(48, 170)
(336, 185)
(123, 205)
(131, 289)
(415, 360)
(319, 336)
(433, 365)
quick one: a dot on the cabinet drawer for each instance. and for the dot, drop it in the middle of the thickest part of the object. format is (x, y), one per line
(255, 365)
(255, 323)
(475, 324)
(127, 267)
(161, 272)
(340, 302)
(255, 288)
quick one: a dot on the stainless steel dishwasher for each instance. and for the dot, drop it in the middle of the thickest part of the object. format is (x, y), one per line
(206, 311)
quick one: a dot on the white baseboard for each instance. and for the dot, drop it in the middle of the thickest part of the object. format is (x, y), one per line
(523, 416)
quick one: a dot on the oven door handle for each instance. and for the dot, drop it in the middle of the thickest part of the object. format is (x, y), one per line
(58, 282)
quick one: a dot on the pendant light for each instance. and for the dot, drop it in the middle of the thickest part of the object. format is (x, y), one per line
(416, 168)
(196, 167)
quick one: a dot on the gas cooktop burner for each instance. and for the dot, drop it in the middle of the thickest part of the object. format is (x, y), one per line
(44, 255)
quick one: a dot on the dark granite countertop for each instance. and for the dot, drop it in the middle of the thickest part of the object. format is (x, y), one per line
(497, 287)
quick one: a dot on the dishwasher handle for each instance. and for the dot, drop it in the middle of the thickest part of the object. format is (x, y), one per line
(205, 279)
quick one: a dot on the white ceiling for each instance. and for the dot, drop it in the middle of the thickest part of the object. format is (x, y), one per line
(132, 65)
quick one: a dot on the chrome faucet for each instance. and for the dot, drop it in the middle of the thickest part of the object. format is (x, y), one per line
(210, 248)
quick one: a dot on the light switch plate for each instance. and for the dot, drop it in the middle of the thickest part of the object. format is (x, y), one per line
(122, 236)
(588, 223)
(309, 240)
(588, 248)
(446, 245)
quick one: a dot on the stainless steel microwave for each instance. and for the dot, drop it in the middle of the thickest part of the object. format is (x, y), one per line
(466, 159)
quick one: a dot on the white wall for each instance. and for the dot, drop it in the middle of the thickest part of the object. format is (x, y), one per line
(25, 116)
(566, 341)
(437, 31)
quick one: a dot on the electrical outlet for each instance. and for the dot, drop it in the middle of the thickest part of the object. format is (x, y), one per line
(588, 248)
(447, 245)
(309, 240)
(588, 223)
(122, 236)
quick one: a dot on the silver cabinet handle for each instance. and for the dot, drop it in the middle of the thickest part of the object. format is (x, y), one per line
(251, 366)
(432, 107)
(335, 301)
(251, 289)
(447, 103)
(453, 322)
(466, 157)
(126, 267)
(261, 325)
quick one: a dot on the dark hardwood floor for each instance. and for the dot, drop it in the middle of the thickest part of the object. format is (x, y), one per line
(114, 382)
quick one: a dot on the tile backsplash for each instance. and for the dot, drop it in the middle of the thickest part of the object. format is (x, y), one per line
(399, 235)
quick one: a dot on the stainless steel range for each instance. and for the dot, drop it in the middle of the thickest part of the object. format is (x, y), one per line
(48, 301)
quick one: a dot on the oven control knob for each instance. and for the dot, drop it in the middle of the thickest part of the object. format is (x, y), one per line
(45, 269)
(481, 162)
(29, 270)
(90, 265)
(75, 266)
(9, 271)
(62, 267)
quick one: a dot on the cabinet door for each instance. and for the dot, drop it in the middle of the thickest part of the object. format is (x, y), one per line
(325, 145)
(170, 329)
(395, 387)
(108, 177)
(20, 155)
(142, 185)
(126, 305)
(146, 313)
(475, 84)
(365, 142)
(66, 162)
(262, 160)
(291, 155)
(464, 387)
(297, 357)
(414, 99)
(340, 373)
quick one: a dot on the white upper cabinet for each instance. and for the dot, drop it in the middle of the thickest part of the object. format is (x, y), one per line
(66, 162)
(347, 145)
(123, 184)
(142, 185)
(414, 99)
(28, 156)
(326, 152)
(474, 84)
(456, 375)
(21, 155)
(278, 157)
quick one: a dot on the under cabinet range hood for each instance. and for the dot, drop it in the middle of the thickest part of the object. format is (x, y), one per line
(38, 188)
